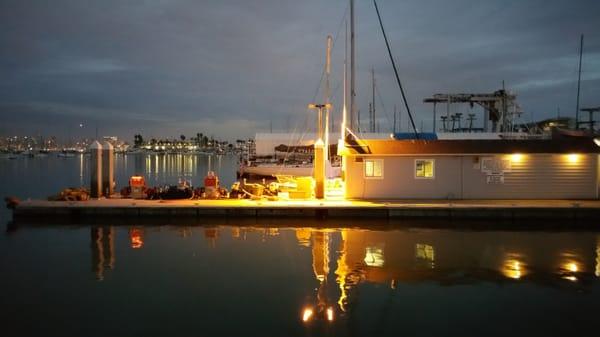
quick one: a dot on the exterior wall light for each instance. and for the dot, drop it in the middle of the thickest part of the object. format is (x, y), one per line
(516, 158)
(573, 158)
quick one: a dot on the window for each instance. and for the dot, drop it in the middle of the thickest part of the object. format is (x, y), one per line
(373, 168)
(424, 168)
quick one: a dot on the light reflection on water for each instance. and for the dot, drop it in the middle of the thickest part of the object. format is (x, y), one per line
(327, 277)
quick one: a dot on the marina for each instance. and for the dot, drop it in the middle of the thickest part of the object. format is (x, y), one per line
(299, 168)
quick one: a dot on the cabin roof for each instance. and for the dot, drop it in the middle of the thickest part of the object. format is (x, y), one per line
(473, 146)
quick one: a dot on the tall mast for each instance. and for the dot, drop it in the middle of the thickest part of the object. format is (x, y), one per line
(394, 128)
(578, 83)
(327, 95)
(352, 67)
(343, 130)
(374, 120)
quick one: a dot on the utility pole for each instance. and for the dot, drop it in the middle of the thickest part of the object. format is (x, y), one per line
(579, 83)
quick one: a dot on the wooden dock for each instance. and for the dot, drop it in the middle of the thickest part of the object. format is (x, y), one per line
(392, 209)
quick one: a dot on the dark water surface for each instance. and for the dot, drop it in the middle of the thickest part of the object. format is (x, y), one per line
(219, 277)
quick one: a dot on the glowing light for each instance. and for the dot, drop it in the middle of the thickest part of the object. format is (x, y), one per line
(514, 267)
(572, 267)
(307, 314)
(597, 141)
(374, 257)
(571, 278)
(137, 239)
(330, 314)
(516, 158)
(573, 158)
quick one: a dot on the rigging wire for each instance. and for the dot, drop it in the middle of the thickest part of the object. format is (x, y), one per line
(396, 71)
(318, 89)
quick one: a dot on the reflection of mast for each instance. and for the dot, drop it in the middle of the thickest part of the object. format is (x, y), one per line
(342, 271)
(103, 249)
(320, 253)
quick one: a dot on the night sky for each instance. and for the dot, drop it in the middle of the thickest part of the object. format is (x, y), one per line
(230, 68)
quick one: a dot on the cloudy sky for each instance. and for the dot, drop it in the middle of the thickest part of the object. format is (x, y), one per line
(230, 68)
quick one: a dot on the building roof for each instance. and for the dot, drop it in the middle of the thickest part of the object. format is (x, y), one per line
(474, 146)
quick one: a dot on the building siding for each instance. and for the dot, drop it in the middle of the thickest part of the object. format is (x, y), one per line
(534, 176)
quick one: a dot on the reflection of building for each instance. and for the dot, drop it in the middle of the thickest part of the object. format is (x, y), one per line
(103, 250)
(452, 258)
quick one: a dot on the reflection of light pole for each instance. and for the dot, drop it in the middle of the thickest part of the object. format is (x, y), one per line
(320, 153)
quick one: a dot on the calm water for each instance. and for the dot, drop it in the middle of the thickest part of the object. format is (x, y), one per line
(259, 278)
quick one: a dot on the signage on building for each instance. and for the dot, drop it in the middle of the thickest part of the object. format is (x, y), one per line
(494, 168)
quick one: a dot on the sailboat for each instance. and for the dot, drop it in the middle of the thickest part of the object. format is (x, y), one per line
(306, 167)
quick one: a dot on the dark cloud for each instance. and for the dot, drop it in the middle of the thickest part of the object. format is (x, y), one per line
(230, 67)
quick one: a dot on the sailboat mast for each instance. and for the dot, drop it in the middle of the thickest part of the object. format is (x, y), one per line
(373, 101)
(352, 67)
(578, 83)
(327, 95)
(343, 129)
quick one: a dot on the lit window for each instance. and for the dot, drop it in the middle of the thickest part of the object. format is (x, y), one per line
(424, 168)
(374, 168)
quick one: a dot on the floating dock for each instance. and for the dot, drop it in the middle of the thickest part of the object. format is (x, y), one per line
(245, 208)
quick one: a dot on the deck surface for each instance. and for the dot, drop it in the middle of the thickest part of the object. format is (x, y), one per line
(315, 208)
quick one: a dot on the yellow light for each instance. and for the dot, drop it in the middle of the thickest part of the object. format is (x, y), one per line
(573, 158)
(513, 268)
(597, 141)
(307, 314)
(572, 267)
(330, 314)
(516, 158)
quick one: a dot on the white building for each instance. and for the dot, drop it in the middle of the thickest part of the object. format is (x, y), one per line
(473, 169)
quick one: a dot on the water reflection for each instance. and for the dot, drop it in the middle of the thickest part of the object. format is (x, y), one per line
(136, 235)
(598, 257)
(103, 250)
(339, 262)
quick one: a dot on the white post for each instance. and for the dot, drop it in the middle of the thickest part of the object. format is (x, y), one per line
(96, 170)
(108, 177)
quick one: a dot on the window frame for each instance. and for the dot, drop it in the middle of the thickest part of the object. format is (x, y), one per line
(373, 160)
(432, 168)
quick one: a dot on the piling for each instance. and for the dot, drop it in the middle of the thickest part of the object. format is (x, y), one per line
(319, 169)
(108, 169)
(96, 169)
